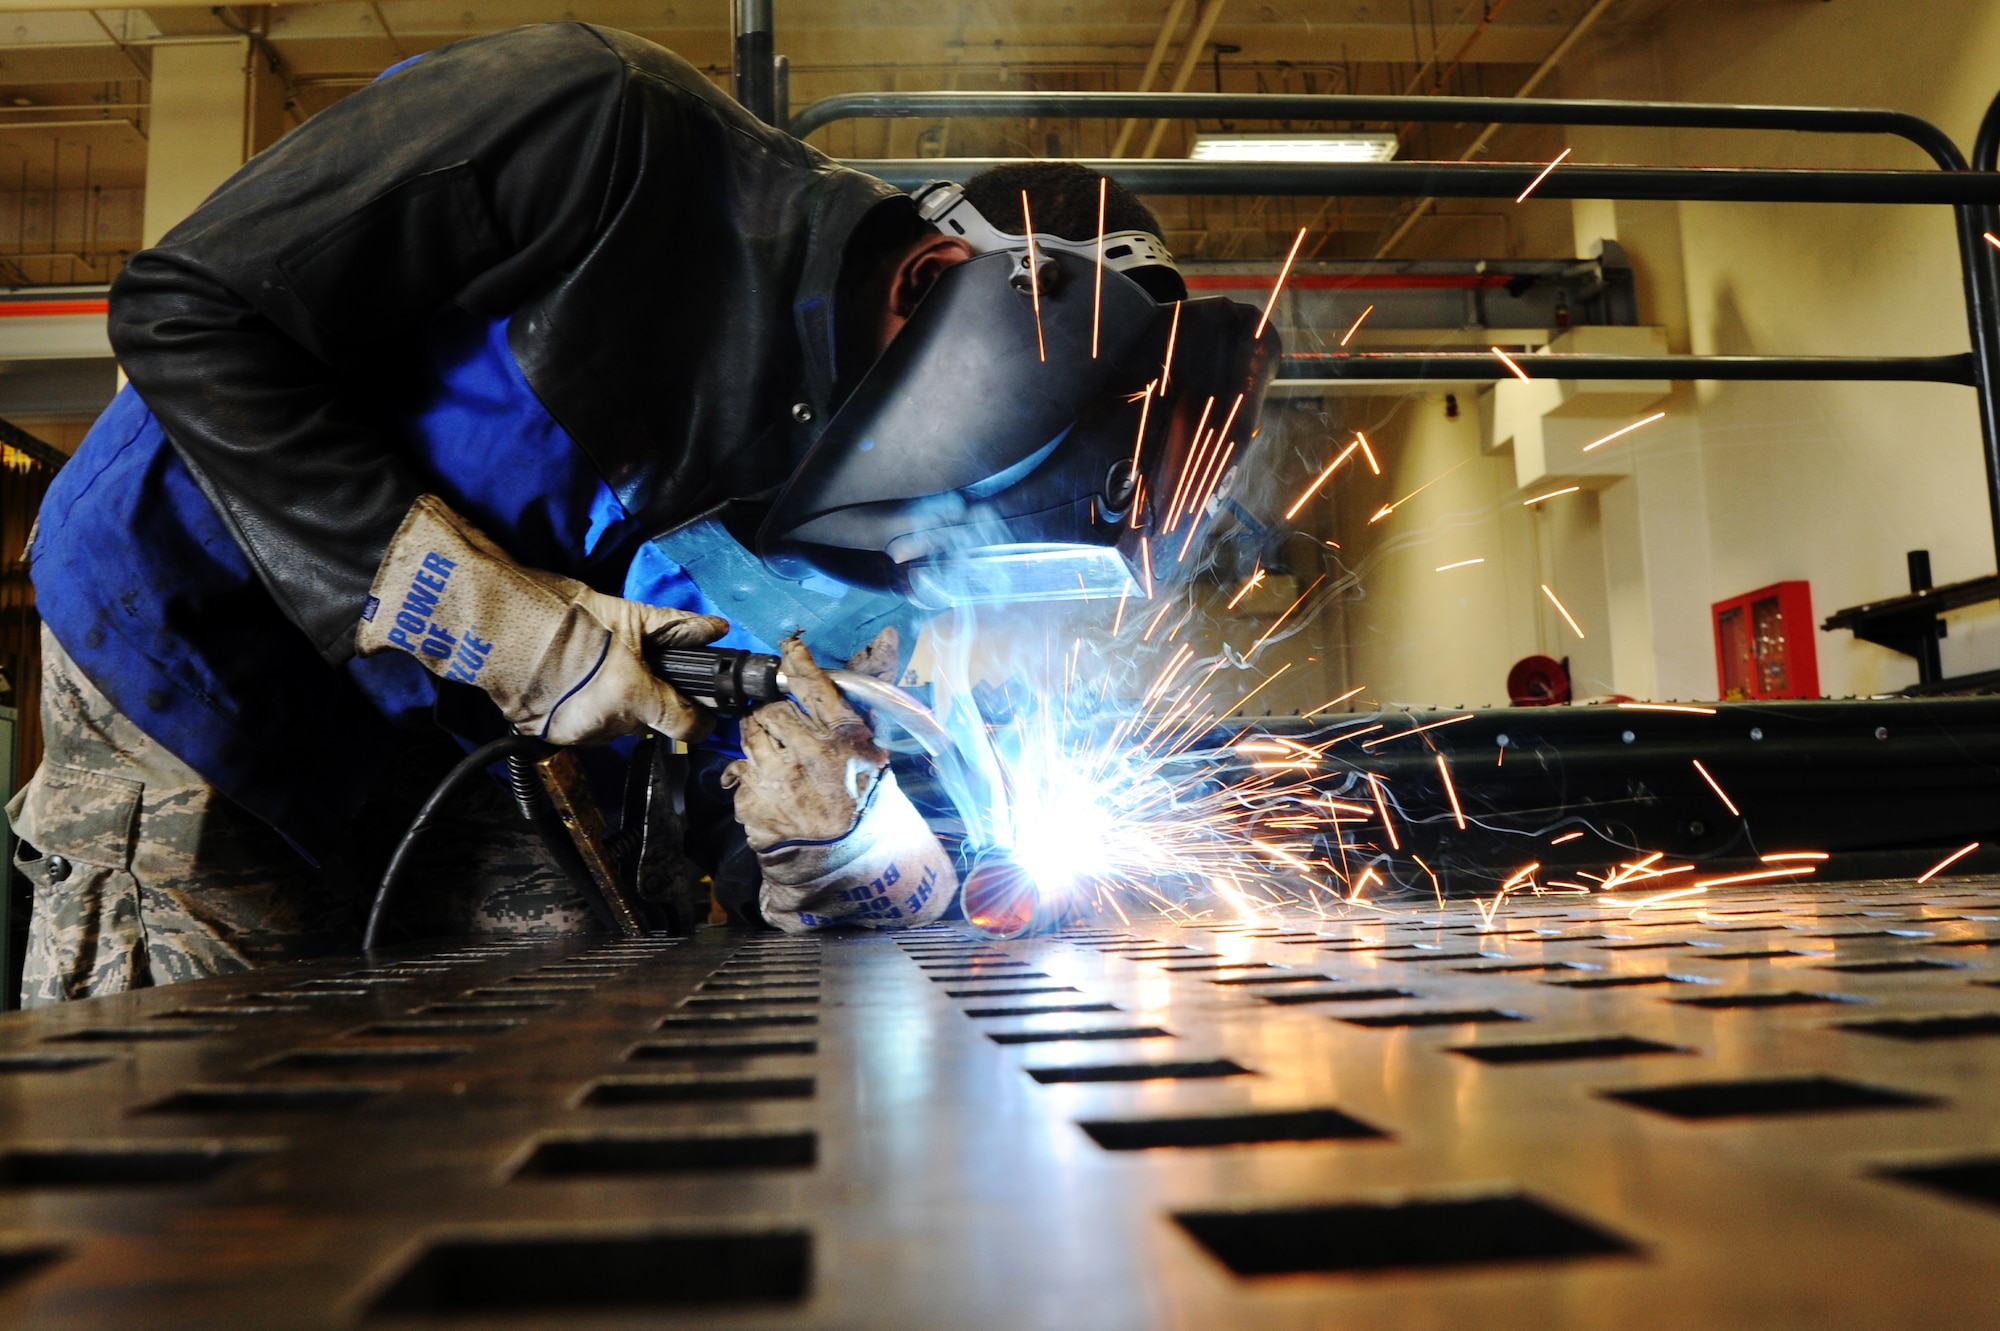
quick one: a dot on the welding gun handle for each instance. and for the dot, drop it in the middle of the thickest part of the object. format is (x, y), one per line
(726, 678)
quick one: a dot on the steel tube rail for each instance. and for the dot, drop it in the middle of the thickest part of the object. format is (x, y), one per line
(1970, 195)
(1323, 107)
(1480, 180)
(1459, 366)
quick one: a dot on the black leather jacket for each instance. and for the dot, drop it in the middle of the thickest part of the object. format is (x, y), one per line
(670, 264)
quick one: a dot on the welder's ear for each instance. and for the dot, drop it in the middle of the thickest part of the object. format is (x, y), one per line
(919, 269)
(879, 659)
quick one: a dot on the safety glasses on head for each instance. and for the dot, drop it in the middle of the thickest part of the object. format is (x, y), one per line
(1033, 429)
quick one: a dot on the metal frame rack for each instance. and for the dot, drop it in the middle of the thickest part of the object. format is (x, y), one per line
(1971, 190)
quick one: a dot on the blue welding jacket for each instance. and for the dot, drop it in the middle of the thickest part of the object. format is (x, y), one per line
(138, 578)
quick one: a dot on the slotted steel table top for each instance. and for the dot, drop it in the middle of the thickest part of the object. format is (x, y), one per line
(1774, 1110)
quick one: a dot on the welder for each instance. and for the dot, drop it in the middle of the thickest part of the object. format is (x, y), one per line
(534, 352)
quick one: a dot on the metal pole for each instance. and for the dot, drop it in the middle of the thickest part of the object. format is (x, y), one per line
(1479, 366)
(1325, 107)
(1482, 180)
(755, 78)
(1977, 221)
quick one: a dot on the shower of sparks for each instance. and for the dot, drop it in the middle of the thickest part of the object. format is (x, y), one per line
(1948, 861)
(1034, 276)
(1665, 707)
(1463, 563)
(1508, 361)
(1334, 702)
(1279, 285)
(1566, 490)
(1256, 579)
(1620, 434)
(1451, 792)
(1097, 288)
(1716, 786)
(1355, 327)
(1563, 610)
(1523, 197)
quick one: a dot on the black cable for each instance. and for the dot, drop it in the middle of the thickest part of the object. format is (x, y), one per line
(509, 747)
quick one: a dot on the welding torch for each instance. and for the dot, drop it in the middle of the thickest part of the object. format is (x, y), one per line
(727, 680)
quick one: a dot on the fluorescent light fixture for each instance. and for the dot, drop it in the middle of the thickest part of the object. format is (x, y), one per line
(1293, 147)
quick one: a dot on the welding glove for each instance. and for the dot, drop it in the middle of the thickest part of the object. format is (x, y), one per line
(561, 661)
(836, 841)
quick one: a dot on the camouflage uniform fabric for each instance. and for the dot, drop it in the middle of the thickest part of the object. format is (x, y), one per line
(145, 874)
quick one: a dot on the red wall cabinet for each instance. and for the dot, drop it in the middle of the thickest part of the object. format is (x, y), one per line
(1764, 644)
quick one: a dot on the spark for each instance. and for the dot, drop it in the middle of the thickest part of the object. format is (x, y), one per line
(1523, 198)
(1678, 894)
(1355, 327)
(1034, 277)
(1993, 240)
(1566, 490)
(1368, 453)
(1563, 610)
(1279, 285)
(1521, 874)
(1488, 911)
(1382, 807)
(1187, 467)
(1780, 856)
(1256, 580)
(1457, 813)
(1948, 861)
(1097, 290)
(1716, 786)
(1463, 563)
(1508, 361)
(1619, 434)
(1566, 836)
(1321, 479)
(1156, 621)
(1119, 621)
(1387, 509)
(1665, 707)
(1437, 888)
(1265, 685)
(1287, 615)
(1418, 730)
(1758, 876)
(1139, 444)
(1146, 564)
(1173, 332)
(1333, 702)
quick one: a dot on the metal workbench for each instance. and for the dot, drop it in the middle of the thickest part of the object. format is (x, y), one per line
(1774, 1110)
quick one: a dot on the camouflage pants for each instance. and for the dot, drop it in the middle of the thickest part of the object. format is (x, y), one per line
(145, 874)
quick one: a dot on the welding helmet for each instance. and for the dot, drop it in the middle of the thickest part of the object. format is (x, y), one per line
(1032, 430)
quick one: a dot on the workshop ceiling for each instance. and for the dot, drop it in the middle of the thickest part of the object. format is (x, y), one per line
(74, 83)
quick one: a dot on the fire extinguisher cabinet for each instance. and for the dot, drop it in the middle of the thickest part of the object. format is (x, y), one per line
(1764, 644)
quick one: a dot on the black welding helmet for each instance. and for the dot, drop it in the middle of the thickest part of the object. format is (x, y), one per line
(995, 451)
